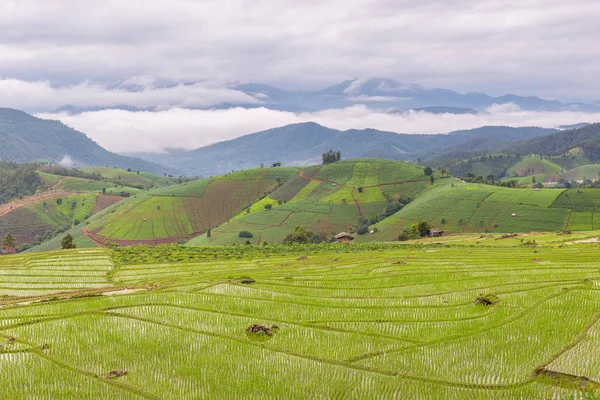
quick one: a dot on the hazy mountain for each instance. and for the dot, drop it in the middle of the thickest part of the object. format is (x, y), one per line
(26, 138)
(377, 93)
(385, 93)
(301, 144)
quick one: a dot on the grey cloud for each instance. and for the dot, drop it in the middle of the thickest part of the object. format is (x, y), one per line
(528, 47)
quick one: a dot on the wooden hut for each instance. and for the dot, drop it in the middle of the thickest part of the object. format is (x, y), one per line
(436, 232)
(344, 237)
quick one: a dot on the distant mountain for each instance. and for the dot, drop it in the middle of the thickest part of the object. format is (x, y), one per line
(25, 138)
(385, 93)
(301, 144)
(585, 140)
(377, 93)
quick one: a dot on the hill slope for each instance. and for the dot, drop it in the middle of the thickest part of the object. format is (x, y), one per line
(326, 200)
(586, 140)
(179, 212)
(26, 138)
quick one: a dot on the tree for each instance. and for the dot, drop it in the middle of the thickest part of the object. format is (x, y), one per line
(299, 236)
(67, 242)
(331, 157)
(245, 234)
(276, 164)
(208, 233)
(8, 242)
(419, 230)
(268, 206)
(428, 171)
(362, 229)
(360, 189)
(431, 179)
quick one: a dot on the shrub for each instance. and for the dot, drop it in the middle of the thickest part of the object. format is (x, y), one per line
(268, 206)
(362, 229)
(360, 189)
(245, 234)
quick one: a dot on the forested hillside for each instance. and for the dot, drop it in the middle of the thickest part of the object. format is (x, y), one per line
(24, 138)
(302, 144)
(586, 140)
(17, 180)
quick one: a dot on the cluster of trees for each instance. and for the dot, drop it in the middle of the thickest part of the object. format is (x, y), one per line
(8, 242)
(392, 207)
(416, 231)
(302, 236)
(331, 157)
(17, 180)
(62, 171)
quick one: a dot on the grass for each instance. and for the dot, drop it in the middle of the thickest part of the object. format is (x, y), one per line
(542, 198)
(144, 179)
(358, 321)
(530, 165)
(584, 200)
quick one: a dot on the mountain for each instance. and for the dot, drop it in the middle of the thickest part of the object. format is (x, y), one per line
(26, 138)
(376, 93)
(385, 93)
(301, 144)
(583, 141)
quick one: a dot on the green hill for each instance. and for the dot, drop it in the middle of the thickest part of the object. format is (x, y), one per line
(360, 196)
(457, 207)
(325, 199)
(179, 212)
(585, 140)
(133, 178)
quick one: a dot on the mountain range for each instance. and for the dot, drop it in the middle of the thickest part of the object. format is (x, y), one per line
(376, 93)
(25, 138)
(302, 144)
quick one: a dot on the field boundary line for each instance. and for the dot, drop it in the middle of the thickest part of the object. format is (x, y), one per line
(92, 375)
(328, 360)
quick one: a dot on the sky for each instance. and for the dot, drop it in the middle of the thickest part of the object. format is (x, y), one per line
(84, 53)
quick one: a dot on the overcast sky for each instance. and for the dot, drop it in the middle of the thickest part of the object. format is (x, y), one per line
(58, 52)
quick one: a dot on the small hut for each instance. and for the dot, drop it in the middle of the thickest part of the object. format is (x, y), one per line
(436, 232)
(344, 237)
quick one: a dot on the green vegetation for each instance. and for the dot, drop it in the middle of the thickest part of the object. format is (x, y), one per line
(354, 321)
(17, 180)
(343, 196)
(179, 212)
(130, 177)
(26, 138)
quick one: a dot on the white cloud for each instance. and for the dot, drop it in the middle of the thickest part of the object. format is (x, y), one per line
(124, 131)
(42, 95)
(66, 161)
(503, 108)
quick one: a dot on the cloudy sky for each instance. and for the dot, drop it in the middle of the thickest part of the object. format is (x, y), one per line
(83, 53)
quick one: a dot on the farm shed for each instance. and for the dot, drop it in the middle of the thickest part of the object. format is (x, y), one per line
(436, 232)
(344, 237)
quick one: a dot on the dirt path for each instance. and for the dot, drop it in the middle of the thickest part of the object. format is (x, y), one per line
(60, 181)
(6, 208)
(360, 212)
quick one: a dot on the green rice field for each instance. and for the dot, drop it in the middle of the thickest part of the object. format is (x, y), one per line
(373, 321)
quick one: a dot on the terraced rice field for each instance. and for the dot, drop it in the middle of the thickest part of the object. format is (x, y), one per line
(354, 322)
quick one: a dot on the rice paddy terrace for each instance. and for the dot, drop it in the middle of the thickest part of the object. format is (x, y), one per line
(353, 322)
